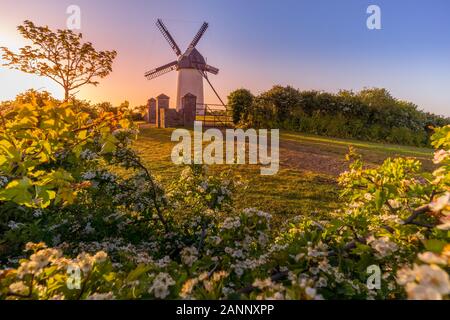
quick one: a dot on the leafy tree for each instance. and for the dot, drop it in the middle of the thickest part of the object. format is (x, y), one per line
(240, 102)
(60, 56)
(283, 101)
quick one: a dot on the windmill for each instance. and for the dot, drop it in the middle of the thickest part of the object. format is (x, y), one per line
(191, 66)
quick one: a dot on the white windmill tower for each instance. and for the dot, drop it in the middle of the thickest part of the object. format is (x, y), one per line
(191, 66)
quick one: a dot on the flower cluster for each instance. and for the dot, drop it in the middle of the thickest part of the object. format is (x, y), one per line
(160, 285)
(383, 246)
(48, 266)
(189, 255)
(426, 281)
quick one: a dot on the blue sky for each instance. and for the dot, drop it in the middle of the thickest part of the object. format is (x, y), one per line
(320, 44)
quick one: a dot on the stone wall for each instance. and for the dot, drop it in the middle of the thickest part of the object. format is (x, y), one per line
(160, 115)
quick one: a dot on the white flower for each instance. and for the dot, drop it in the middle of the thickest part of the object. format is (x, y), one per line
(100, 256)
(101, 296)
(421, 292)
(204, 185)
(313, 252)
(85, 262)
(441, 203)
(3, 181)
(368, 196)
(19, 288)
(237, 254)
(262, 284)
(189, 255)
(424, 282)
(37, 213)
(445, 223)
(431, 258)
(239, 271)
(226, 291)
(14, 225)
(395, 204)
(405, 275)
(216, 239)
(324, 265)
(339, 277)
(314, 270)
(383, 246)
(88, 155)
(250, 212)
(231, 223)
(310, 292)
(164, 262)
(161, 284)
(391, 286)
(89, 175)
(322, 282)
(299, 257)
(88, 229)
(277, 296)
(434, 277)
(440, 156)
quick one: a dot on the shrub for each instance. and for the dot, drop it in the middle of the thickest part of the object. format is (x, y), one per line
(371, 114)
(240, 102)
(124, 236)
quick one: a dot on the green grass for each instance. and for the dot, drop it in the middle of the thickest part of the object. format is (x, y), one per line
(363, 145)
(293, 191)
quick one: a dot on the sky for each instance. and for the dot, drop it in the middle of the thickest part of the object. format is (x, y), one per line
(308, 44)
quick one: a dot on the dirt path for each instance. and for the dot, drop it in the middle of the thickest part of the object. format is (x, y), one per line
(295, 155)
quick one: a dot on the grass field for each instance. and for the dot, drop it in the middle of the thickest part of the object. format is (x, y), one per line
(306, 183)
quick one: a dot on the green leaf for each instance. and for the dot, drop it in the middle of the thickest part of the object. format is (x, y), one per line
(379, 199)
(136, 273)
(18, 191)
(434, 245)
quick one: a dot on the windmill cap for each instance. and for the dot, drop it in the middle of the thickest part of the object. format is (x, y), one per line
(191, 59)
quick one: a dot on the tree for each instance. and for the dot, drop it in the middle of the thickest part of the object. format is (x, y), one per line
(60, 56)
(283, 100)
(240, 102)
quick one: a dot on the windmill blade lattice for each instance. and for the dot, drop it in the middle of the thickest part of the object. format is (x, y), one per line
(211, 69)
(161, 70)
(168, 37)
(199, 35)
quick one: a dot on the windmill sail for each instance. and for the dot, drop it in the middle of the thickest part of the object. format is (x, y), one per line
(161, 70)
(211, 69)
(168, 37)
(199, 35)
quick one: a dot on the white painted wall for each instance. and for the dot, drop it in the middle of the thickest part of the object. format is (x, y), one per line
(189, 81)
